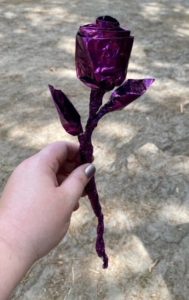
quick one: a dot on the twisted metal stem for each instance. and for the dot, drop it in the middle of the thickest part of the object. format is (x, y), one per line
(86, 152)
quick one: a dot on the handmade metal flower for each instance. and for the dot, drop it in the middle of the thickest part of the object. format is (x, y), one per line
(102, 55)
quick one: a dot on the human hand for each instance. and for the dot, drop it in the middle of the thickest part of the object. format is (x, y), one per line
(39, 198)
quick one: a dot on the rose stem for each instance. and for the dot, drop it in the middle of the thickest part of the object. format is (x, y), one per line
(86, 152)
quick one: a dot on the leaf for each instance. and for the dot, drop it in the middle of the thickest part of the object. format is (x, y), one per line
(68, 114)
(127, 93)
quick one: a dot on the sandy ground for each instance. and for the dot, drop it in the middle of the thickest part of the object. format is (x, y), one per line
(142, 153)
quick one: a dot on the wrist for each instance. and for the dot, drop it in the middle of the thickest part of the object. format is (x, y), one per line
(12, 270)
(15, 239)
(15, 259)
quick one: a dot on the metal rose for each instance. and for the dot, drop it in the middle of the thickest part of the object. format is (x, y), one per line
(102, 53)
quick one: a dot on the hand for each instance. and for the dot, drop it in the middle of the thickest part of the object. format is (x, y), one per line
(39, 198)
(41, 195)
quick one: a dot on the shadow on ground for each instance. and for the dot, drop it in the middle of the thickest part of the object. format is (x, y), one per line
(141, 153)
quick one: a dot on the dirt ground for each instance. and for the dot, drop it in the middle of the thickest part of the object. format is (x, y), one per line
(141, 153)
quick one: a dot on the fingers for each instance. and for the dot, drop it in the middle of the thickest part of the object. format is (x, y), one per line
(67, 168)
(73, 186)
(54, 155)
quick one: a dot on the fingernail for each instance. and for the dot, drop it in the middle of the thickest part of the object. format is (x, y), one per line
(90, 171)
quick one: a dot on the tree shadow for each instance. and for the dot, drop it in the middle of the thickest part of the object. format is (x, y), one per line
(37, 46)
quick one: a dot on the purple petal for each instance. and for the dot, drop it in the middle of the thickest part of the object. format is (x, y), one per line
(104, 27)
(107, 22)
(128, 92)
(68, 115)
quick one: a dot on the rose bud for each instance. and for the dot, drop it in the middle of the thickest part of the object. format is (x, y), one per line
(102, 53)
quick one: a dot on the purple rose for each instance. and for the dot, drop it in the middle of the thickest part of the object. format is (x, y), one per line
(102, 53)
(102, 56)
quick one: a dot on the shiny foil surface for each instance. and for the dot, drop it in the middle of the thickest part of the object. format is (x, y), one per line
(102, 55)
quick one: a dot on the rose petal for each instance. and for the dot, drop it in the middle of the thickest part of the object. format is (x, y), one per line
(107, 21)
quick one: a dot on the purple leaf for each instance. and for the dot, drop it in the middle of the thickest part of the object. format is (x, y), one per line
(68, 115)
(127, 93)
(102, 53)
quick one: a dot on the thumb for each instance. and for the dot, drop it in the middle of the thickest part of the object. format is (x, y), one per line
(73, 186)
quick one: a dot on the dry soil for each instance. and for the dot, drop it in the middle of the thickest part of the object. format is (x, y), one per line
(141, 153)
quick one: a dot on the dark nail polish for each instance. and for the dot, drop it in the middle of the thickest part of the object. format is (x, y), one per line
(90, 171)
